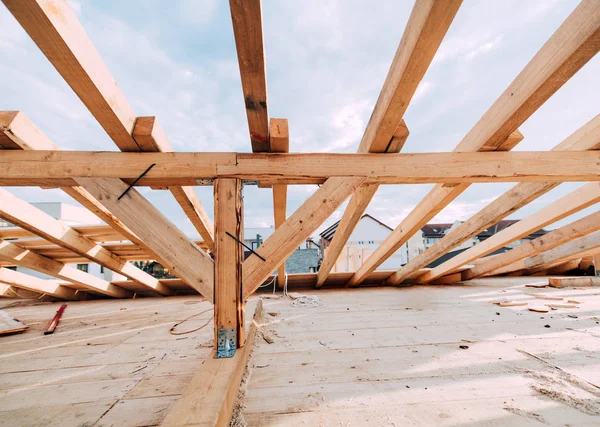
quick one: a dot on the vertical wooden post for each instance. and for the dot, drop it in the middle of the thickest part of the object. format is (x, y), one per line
(229, 307)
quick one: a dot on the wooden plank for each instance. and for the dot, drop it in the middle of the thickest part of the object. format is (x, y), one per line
(229, 254)
(295, 230)
(63, 167)
(35, 284)
(151, 138)
(246, 16)
(97, 233)
(54, 27)
(570, 47)
(26, 216)
(211, 395)
(180, 255)
(573, 282)
(48, 266)
(280, 143)
(564, 234)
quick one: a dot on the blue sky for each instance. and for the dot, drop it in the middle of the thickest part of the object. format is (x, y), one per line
(326, 63)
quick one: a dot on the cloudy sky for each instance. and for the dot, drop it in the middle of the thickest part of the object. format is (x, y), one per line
(326, 63)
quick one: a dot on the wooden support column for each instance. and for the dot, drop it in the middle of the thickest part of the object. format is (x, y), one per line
(229, 254)
(280, 143)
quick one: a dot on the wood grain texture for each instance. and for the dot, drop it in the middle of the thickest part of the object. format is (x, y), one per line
(28, 217)
(280, 143)
(580, 199)
(35, 284)
(181, 256)
(229, 255)
(246, 16)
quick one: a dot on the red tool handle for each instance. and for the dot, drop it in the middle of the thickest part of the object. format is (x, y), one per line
(52, 326)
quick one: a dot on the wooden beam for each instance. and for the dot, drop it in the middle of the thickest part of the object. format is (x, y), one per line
(579, 199)
(551, 240)
(570, 47)
(280, 143)
(246, 16)
(499, 208)
(573, 282)
(296, 229)
(180, 255)
(35, 284)
(354, 212)
(17, 132)
(573, 248)
(210, 397)
(97, 233)
(25, 258)
(54, 27)
(24, 215)
(427, 25)
(65, 167)
(585, 138)
(229, 254)
(27, 136)
(151, 138)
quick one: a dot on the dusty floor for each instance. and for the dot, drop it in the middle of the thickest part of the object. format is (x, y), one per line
(385, 357)
(110, 362)
(369, 357)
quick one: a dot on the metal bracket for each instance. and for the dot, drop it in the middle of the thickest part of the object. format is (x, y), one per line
(226, 339)
(205, 181)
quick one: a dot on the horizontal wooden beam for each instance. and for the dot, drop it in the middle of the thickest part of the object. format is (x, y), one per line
(64, 167)
(35, 284)
(26, 258)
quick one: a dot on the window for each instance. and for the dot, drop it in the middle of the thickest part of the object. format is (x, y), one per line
(13, 268)
(82, 267)
(101, 269)
(361, 242)
(371, 242)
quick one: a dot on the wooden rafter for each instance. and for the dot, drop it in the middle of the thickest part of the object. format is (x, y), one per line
(54, 27)
(176, 252)
(26, 216)
(35, 284)
(246, 16)
(386, 131)
(585, 138)
(26, 258)
(507, 261)
(575, 42)
(573, 202)
(307, 218)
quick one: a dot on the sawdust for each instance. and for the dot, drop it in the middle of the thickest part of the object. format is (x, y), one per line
(568, 389)
(526, 414)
